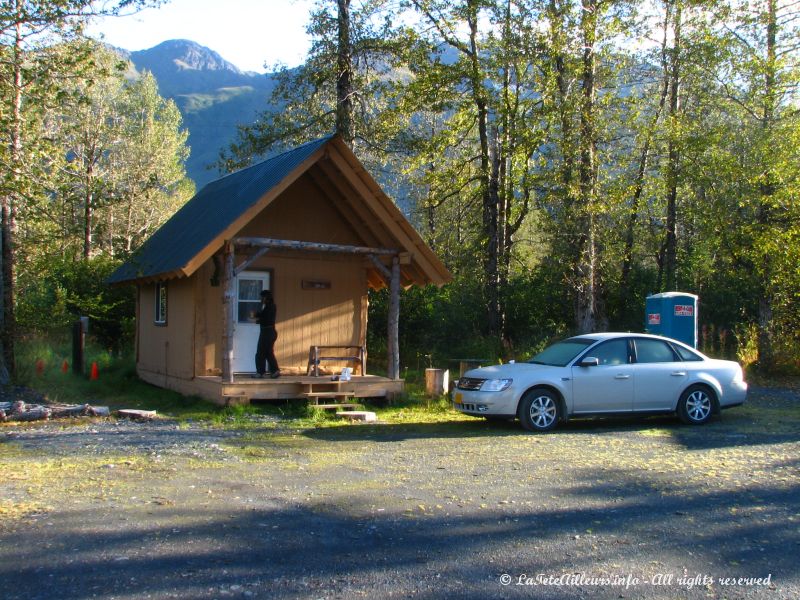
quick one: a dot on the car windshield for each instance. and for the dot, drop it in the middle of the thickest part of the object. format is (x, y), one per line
(561, 353)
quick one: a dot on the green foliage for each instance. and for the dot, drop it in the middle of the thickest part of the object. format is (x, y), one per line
(54, 294)
(117, 168)
(117, 387)
(440, 325)
(534, 144)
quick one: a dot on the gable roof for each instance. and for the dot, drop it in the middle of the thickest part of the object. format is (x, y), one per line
(221, 208)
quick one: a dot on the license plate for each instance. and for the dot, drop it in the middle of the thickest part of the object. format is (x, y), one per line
(459, 396)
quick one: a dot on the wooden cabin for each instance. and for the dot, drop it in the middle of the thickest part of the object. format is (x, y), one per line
(312, 226)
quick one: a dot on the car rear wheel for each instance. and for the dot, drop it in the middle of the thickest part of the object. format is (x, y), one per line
(539, 410)
(696, 405)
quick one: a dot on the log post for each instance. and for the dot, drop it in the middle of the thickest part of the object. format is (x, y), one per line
(393, 342)
(437, 382)
(228, 312)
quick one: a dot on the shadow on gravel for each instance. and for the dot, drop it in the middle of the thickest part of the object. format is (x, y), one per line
(113, 437)
(323, 551)
(727, 430)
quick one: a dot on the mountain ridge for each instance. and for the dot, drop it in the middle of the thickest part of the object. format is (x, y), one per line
(213, 95)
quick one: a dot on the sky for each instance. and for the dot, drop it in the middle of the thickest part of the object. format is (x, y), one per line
(247, 33)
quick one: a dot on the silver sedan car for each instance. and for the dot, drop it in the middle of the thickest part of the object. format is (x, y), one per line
(603, 373)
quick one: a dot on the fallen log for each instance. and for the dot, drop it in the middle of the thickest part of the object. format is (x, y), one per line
(20, 411)
(136, 414)
(34, 413)
(80, 410)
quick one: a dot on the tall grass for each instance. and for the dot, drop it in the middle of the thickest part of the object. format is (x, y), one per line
(119, 387)
(40, 363)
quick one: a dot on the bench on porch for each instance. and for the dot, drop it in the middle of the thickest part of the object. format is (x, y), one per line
(352, 354)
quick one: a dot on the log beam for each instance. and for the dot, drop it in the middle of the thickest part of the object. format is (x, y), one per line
(228, 314)
(312, 246)
(381, 268)
(393, 341)
(261, 252)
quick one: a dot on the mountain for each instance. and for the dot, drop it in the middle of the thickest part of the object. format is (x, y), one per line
(213, 95)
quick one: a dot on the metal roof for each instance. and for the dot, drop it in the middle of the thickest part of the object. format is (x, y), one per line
(214, 208)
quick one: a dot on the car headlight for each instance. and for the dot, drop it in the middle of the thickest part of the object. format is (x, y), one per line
(495, 385)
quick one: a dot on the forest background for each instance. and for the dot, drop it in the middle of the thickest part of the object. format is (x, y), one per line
(565, 158)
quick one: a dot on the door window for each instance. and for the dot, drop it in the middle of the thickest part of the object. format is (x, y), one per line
(654, 351)
(613, 352)
(249, 297)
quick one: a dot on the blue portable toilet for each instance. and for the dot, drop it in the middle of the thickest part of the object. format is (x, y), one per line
(674, 315)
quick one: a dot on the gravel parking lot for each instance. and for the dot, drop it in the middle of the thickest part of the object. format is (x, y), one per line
(463, 509)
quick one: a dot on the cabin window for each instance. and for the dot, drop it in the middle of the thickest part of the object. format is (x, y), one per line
(249, 294)
(161, 304)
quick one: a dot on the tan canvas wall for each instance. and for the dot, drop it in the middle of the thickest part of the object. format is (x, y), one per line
(190, 344)
(312, 316)
(303, 213)
(309, 317)
(305, 317)
(167, 349)
(208, 322)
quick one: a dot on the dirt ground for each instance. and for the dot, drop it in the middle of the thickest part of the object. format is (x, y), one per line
(467, 509)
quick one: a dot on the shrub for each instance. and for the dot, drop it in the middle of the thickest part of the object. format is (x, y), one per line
(54, 294)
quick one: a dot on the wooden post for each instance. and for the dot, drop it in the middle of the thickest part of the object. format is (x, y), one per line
(228, 313)
(393, 342)
(437, 382)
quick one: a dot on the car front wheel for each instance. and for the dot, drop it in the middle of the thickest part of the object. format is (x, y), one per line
(539, 410)
(696, 405)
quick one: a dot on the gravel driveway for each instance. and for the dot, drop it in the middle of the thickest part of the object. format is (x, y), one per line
(466, 509)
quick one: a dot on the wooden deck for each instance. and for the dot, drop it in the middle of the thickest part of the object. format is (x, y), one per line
(244, 388)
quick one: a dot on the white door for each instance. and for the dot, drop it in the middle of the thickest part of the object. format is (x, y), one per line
(607, 387)
(659, 374)
(245, 328)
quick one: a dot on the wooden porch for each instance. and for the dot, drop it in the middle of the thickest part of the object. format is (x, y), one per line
(244, 389)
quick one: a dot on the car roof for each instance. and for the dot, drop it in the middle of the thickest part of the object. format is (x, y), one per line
(607, 335)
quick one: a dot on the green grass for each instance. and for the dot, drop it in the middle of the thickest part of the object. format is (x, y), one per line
(119, 387)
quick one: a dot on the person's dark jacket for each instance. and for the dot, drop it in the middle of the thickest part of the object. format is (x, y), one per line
(266, 316)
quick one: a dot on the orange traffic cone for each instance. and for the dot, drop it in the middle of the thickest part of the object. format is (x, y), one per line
(95, 373)
(40, 367)
(65, 367)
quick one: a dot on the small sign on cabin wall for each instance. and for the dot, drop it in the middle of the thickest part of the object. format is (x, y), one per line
(316, 284)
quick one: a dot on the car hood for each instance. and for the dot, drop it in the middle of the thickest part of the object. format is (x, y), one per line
(507, 371)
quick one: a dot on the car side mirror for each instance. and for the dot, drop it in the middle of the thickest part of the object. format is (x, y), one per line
(589, 361)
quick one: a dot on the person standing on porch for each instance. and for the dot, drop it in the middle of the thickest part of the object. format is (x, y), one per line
(265, 353)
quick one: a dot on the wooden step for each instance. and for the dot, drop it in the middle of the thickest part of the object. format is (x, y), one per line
(336, 405)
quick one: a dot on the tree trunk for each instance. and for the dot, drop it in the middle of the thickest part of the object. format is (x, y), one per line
(9, 208)
(345, 123)
(489, 178)
(88, 208)
(766, 355)
(673, 159)
(644, 158)
(587, 288)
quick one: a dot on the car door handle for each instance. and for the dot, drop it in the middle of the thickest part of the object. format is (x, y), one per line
(621, 376)
(678, 373)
